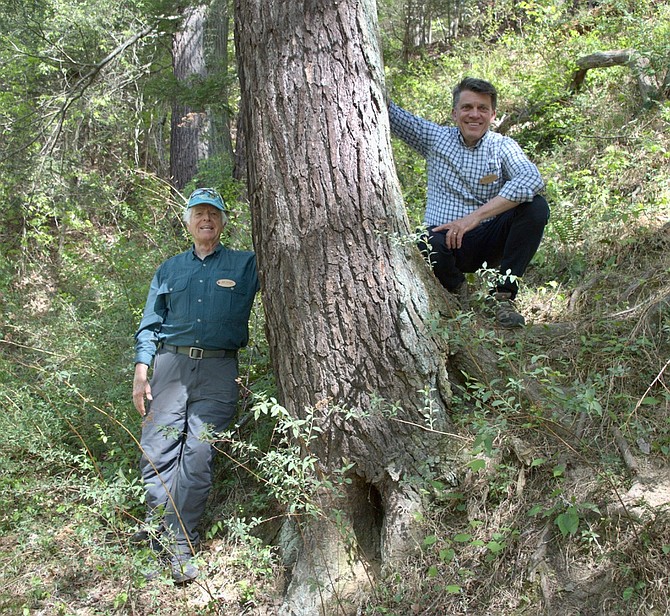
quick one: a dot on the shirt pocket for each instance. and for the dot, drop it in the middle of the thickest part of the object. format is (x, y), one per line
(229, 298)
(490, 182)
(173, 294)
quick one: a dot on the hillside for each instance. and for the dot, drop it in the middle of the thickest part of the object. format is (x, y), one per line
(558, 500)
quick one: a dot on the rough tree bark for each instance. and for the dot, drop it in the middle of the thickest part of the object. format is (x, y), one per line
(348, 306)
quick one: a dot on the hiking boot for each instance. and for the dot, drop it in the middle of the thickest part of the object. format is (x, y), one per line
(157, 563)
(182, 569)
(153, 573)
(462, 295)
(504, 310)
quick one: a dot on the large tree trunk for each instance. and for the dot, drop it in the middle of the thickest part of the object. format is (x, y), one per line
(348, 306)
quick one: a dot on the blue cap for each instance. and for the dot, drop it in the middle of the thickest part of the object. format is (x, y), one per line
(206, 196)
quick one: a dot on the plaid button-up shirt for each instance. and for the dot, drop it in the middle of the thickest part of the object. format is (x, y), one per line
(459, 178)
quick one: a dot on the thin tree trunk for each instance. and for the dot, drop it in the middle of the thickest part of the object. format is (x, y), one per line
(221, 142)
(347, 305)
(188, 126)
(417, 27)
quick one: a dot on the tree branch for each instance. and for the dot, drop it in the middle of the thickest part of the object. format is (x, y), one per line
(77, 90)
(637, 63)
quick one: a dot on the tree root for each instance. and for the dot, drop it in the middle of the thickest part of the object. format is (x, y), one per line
(340, 553)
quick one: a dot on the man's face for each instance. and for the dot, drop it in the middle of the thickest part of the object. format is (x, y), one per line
(473, 115)
(205, 225)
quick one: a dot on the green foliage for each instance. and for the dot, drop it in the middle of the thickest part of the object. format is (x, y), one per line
(290, 472)
(86, 218)
(256, 555)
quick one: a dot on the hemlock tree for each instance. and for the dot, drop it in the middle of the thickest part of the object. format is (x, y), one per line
(218, 29)
(348, 305)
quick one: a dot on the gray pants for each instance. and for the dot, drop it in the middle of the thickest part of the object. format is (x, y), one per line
(192, 400)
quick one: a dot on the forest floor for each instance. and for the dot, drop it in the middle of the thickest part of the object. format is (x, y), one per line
(570, 514)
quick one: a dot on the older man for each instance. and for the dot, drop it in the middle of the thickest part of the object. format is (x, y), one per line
(195, 320)
(482, 204)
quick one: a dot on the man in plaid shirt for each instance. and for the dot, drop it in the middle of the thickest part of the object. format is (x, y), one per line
(482, 204)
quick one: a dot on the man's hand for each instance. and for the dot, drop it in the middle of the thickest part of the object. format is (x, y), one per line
(456, 229)
(141, 388)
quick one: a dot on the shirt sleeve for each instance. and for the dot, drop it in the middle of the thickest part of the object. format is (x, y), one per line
(417, 133)
(146, 337)
(523, 178)
(254, 274)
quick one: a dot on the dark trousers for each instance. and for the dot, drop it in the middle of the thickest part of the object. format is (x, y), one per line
(507, 242)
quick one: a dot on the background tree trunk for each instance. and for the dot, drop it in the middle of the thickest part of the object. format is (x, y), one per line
(188, 143)
(220, 142)
(347, 304)
(201, 131)
(637, 63)
(417, 27)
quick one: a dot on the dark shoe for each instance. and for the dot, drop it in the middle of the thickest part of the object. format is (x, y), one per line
(152, 574)
(462, 295)
(139, 537)
(148, 535)
(157, 544)
(183, 570)
(157, 564)
(505, 311)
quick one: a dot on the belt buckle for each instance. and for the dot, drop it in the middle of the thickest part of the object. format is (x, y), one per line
(195, 352)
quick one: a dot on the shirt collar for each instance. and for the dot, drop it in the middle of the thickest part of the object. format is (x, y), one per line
(477, 145)
(218, 249)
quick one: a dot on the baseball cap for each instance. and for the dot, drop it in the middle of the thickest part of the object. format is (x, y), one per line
(206, 195)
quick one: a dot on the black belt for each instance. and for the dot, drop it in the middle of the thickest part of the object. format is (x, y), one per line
(197, 352)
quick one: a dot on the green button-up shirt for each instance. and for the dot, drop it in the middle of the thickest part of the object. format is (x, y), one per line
(197, 302)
